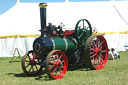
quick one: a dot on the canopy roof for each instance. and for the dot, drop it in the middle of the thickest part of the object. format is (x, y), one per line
(52, 1)
(24, 18)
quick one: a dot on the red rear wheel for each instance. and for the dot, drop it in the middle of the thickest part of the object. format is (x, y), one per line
(96, 52)
(56, 64)
(30, 64)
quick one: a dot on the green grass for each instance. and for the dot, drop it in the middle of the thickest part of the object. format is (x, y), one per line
(114, 73)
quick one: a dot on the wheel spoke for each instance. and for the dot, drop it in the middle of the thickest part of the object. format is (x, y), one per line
(95, 45)
(62, 67)
(60, 70)
(81, 35)
(80, 31)
(93, 49)
(36, 68)
(51, 67)
(101, 58)
(100, 48)
(103, 51)
(100, 44)
(92, 52)
(93, 55)
(87, 27)
(50, 62)
(93, 61)
(53, 58)
(62, 61)
(79, 28)
(30, 69)
(27, 61)
(97, 62)
(59, 58)
(54, 70)
(29, 58)
(56, 73)
(97, 42)
(92, 46)
(87, 34)
(27, 65)
(33, 57)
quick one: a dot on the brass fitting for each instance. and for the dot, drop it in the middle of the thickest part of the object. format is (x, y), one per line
(42, 5)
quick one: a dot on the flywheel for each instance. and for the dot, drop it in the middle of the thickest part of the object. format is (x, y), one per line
(83, 30)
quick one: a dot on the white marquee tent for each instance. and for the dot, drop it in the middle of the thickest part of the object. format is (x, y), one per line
(23, 20)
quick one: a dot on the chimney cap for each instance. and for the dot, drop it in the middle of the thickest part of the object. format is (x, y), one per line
(42, 5)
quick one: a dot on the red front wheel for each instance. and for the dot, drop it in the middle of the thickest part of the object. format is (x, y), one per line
(96, 52)
(56, 64)
(30, 64)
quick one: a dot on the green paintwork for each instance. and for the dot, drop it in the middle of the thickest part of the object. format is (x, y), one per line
(63, 44)
(59, 44)
(83, 30)
(71, 46)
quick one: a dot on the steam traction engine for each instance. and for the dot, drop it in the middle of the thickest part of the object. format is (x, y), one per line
(56, 49)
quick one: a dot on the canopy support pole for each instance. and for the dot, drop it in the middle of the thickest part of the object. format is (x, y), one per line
(16, 49)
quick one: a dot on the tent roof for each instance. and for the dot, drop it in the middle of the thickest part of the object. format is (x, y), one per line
(25, 17)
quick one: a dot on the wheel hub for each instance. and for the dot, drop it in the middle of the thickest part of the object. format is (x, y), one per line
(31, 62)
(57, 64)
(98, 52)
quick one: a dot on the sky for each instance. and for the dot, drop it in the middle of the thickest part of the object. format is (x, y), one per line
(7, 4)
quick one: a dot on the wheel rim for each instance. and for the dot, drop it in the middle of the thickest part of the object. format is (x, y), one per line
(30, 64)
(56, 64)
(99, 52)
(83, 30)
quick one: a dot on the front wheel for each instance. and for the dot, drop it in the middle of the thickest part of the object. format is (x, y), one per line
(30, 64)
(56, 64)
(96, 52)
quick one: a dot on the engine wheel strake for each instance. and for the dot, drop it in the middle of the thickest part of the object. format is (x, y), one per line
(96, 52)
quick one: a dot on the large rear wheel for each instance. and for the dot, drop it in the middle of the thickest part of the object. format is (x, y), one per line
(56, 64)
(96, 52)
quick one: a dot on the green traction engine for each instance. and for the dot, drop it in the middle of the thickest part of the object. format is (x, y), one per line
(56, 50)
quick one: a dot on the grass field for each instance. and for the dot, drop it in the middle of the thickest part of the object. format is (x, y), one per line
(114, 73)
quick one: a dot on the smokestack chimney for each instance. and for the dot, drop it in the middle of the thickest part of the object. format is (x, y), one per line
(43, 19)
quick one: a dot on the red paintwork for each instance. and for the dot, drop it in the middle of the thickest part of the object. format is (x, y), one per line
(99, 59)
(68, 33)
(58, 69)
